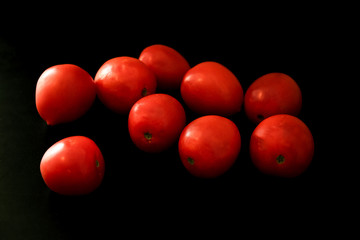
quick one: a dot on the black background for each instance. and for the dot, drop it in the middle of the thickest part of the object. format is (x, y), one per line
(153, 194)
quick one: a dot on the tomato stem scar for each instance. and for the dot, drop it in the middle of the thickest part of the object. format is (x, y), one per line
(144, 92)
(97, 163)
(280, 159)
(190, 160)
(148, 136)
(260, 117)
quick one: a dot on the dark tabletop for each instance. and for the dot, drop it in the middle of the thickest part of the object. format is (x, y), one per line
(150, 193)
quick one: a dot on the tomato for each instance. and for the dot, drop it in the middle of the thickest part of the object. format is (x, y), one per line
(168, 65)
(282, 145)
(64, 93)
(121, 81)
(73, 166)
(273, 93)
(155, 122)
(209, 146)
(211, 88)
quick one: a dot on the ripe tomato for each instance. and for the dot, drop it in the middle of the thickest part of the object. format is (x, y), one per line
(168, 65)
(64, 93)
(273, 93)
(73, 166)
(155, 122)
(121, 81)
(211, 88)
(282, 145)
(209, 146)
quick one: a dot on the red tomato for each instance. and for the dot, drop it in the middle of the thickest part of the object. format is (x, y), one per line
(168, 65)
(64, 93)
(73, 166)
(209, 146)
(211, 88)
(282, 145)
(121, 81)
(273, 93)
(155, 122)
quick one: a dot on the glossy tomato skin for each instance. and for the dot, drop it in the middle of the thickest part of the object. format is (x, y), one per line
(282, 145)
(168, 65)
(209, 146)
(211, 88)
(121, 81)
(73, 166)
(64, 93)
(155, 122)
(271, 94)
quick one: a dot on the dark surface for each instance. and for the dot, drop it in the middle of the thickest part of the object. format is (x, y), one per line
(152, 194)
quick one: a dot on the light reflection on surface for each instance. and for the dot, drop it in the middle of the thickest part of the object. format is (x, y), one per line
(258, 94)
(54, 150)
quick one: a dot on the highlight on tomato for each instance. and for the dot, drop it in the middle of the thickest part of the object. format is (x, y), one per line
(73, 166)
(121, 81)
(64, 93)
(282, 145)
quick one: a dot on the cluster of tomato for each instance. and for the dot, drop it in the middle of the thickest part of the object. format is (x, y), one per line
(281, 144)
